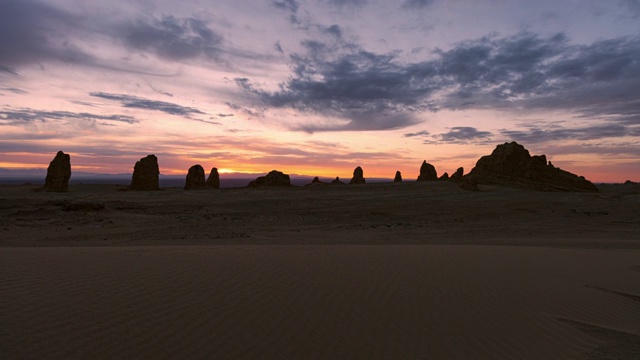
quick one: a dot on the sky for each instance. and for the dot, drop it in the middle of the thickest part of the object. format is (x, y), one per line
(320, 87)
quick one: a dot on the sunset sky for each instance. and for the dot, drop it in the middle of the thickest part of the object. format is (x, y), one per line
(320, 87)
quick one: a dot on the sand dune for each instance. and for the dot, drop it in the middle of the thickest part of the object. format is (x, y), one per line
(389, 271)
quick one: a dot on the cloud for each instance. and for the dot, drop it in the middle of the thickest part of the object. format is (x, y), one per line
(33, 31)
(26, 115)
(14, 90)
(536, 134)
(277, 47)
(416, 4)
(343, 3)
(362, 90)
(464, 134)
(130, 101)
(6, 69)
(422, 133)
(632, 6)
(290, 6)
(172, 38)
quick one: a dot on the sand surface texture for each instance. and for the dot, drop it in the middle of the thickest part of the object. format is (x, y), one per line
(377, 271)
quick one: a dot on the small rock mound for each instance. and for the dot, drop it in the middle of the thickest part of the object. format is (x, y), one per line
(195, 178)
(337, 181)
(58, 173)
(358, 176)
(458, 175)
(273, 178)
(316, 182)
(511, 164)
(213, 181)
(444, 177)
(145, 174)
(427, 172)
(398, 177)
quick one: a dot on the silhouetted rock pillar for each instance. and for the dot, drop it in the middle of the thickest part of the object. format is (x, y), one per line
(213, 181)
(358, 176)
(58, 173)
(444, 177)
(398, 177)
(337, 181)
(427, 172)
(195, 178)
(145, 174)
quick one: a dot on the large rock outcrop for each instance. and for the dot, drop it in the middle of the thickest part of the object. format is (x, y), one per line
(398, 177)
(213, 181)
(273, 178)
(358, 176)
(511, 164)
(145, 174)
(427, 172)
(195, 178)
(58, 173)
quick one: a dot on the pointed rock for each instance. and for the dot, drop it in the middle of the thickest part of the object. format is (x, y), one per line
(398, 177)
(444, 177)
(195, 178)
(427, 172)
(458, 175)
(358, 176)
(58, 173)
(213, 181)
(145, 174)
(511, 164)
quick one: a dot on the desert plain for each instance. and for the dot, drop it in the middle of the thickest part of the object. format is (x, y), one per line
(412, 270)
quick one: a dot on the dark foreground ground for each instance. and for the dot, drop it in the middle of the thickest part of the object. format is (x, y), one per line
(380, 271)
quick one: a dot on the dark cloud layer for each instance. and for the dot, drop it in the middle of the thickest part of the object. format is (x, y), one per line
(172, 38)
(416, 4)
(33, 31)
(129, 101)
(524, 71)
(538, 134)
(25, 115)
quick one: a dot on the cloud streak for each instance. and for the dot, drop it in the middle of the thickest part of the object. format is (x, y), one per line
(129, 101)
(25, 115)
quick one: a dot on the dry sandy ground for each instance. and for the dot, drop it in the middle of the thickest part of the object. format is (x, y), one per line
(376, 271)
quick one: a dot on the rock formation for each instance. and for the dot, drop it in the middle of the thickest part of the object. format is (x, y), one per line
(195, 178)
(213, 181)
(398, 177)
(316, 182)
(444, 177)
(145, 174)
(273, 178)
(358, 176)
(458, 175)
(58, 173)
(511, 164)
(337, 181)
(427, 172)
